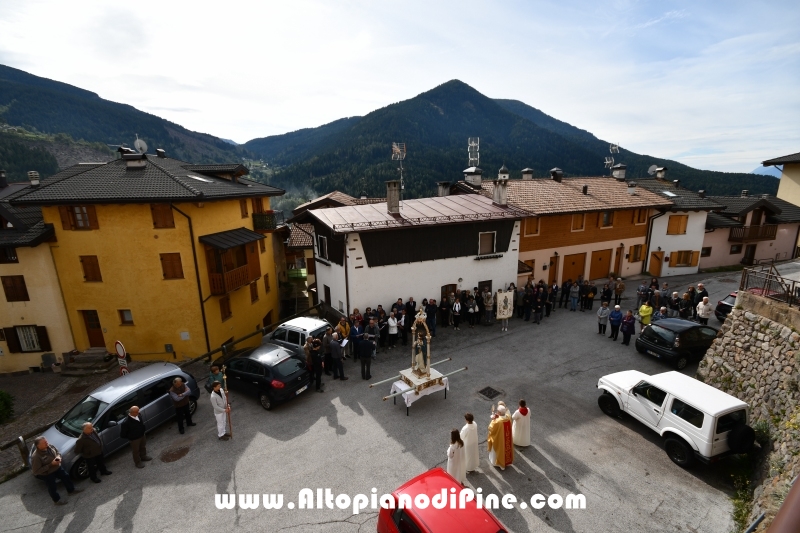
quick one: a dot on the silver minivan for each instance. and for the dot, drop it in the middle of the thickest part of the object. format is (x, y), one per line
(107, 406)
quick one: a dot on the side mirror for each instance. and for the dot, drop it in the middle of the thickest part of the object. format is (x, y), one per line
(111, 423)
(633, 391)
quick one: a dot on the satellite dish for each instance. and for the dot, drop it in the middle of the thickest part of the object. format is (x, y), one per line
(652, 169)
(140, 145)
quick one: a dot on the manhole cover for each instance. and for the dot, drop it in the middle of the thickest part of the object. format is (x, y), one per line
(170, 456)
(489, 392)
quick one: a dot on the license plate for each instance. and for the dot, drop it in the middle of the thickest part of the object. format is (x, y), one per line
(301, 389)
(651, 352)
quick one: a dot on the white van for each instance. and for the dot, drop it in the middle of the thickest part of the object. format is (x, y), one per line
(696, 420)
(293, 334)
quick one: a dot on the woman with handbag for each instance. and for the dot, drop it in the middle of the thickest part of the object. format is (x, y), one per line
(628, 327)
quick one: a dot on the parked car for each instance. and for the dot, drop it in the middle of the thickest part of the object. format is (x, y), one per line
(676, 340)
(107, 406)
(293, 334)
(430, 519)
(269, 372)
(725, 306)
(696, 420)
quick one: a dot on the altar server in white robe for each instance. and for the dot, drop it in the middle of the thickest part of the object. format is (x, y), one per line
(522, 425)
(469, 434)
(456, 463)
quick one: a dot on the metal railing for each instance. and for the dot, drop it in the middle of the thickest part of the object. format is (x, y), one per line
(766, 232)
(268, 221)
(769, 284)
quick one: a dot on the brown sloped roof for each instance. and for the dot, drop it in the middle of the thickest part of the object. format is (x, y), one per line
(299, 238)
(335, 197)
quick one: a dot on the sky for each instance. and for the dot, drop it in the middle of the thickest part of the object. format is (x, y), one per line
(714, 85)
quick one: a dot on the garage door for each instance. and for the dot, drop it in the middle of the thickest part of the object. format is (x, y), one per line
(574, 266)
(601, 264)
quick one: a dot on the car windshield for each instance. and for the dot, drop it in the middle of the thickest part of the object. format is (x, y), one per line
(288, 367)
(86, 411)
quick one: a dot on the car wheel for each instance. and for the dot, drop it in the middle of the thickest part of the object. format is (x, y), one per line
(681, 362)
(192, 406)
(266, 401)
(741, 438)
(608, 404)
(80, 470)
(679, 452)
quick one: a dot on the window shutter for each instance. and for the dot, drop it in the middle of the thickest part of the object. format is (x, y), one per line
(243, 207)
(91, 268)
(695, 258)
(171, 266)
(91, 214)
(672, 225)
(684, 222)
(66, 219)
(12, 340)
(162, 216)
(44, 340)
(673, 258)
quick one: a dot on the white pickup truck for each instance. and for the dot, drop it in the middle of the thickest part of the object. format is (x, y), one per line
(696, 420)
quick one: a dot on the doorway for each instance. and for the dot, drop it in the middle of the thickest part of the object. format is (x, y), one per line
(553, 276)
(483, 284)
(447, 289)
(601, 264)
(749, 254)
(656, 260)
(327, 294)
(618, 261)
(93, 329)
(574, 266)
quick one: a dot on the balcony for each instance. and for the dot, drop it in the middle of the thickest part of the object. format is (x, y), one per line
(297, 273)
(766, 232)
(229, 281)
(268, 221)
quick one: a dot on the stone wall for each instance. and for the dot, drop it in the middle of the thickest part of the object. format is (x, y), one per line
(757, 359)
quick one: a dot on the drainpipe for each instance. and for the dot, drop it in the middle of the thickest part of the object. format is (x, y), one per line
(797, 238)
(346, 279)
(648, 240)
(197, 276)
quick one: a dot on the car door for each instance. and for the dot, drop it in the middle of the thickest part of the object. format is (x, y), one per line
(724, 424)
(113, 417)
(157, 404)
(238, 378)
(279, 337)
(645, 403)
(295, 341)
(255, 374)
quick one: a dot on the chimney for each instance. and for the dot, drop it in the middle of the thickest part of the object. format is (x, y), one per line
(765, 196)
(556, 174)
(661, 173)
(502, 174)
(443, 188)
(393, 197)
(585, 189)
(631, 188)
(161, 153)
(676, 183)
(744, 193)
(472, 176)
(134, 161)
(34, 177)
(618, 171)
(527, 174)
(702, 193)
(500, 192)
(3, 182)
(363, 195)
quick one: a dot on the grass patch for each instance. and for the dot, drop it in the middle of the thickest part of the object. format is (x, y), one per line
(742, 472)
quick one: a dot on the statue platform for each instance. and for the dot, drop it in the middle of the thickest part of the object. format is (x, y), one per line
(419, 383)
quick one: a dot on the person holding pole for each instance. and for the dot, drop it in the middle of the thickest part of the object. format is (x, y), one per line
(219, 401)
(228, 401)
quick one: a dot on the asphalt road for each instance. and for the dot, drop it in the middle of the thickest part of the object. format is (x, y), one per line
(350, 441)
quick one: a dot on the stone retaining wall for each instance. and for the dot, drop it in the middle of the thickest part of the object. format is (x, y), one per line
(757, 360)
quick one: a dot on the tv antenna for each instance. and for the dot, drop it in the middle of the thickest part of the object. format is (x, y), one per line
(140, 145)
(473, 151)
(609, 162)
(652, 169)
(399, 154)
(613, 148)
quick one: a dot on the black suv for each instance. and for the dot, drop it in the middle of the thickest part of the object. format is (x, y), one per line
(677, 340)
(725, 306)
(271, 373)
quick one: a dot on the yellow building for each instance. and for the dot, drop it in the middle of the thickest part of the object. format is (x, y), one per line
(172, 259)
(34, 331)
(789, 188)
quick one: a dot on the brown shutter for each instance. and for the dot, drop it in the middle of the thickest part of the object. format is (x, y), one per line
(12, 340)
(171, 266)
(695, 258)
(673, 258)
(91, 268)
(44, 340)
(310, 268)
(66, 219)
(253, 262)
(243, 207)
(262, 244)
(162, 216)
(684, 222)
(91, 214)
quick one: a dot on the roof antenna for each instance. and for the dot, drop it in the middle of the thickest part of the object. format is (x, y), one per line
(652, 169)
(140, 145)
(473, 151)
(399, 154)
(613, 148)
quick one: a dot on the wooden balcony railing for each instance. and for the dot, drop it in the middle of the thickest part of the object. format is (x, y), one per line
(229, 281)
(766, 232)
(268, 221)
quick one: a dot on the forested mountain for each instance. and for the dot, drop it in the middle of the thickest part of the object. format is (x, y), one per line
(43, 105)
(353, 155)
(17, 158)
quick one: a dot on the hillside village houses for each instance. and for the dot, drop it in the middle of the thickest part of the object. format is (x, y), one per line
(170, 258)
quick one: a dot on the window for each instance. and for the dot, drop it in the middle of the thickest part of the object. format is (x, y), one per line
(653, 394)
(607, 219)
(279, 335)
(258, 205)
(531, 226)
(8, 255)
(91, 268)
(162, 216)
(125, 317)
(15, 289)
(119, 410)
(736, 249)
(28, 339)
(486, 243)
(253, 292)
(171, 266)
(78, 217)
(86, 411)
(635, 253)
(577, 222)
(293, 337)
(677, 224)
(705, 252)
(225, 308)
(243, 207)
(729, 421)
(155, 391)
(641, 216)
(322, 247)
(681, 259)
(687, 412)
(262, 245)
(266, 283)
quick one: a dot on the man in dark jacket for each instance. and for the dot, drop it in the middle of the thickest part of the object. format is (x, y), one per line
(133, 429)
(371, 336)
(444, 312)
(336, 357)
(411, 309)
(180, 399)
(90, 447)
(564, 301)
(701, 293)
(317, 362)
(430, 311)
(365, 355)
(46, 465)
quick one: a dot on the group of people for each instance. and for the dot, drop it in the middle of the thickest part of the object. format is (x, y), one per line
(505, 432)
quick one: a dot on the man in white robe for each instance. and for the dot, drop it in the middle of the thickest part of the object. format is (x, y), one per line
(219, 401)
(522, 425)
(469, 434)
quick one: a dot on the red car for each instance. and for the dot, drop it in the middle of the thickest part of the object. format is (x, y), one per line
(432, 520)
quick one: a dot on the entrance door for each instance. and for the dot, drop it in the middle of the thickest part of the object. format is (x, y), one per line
(327, 294)
(553, 277)
(618, 262)
(446, 290)
(93, 329)
(483, 284)
(574, 266)
(749, 254)
(656, 260)
(601, 264)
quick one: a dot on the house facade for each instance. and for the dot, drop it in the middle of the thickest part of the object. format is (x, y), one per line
(789, 187)
(170, 258)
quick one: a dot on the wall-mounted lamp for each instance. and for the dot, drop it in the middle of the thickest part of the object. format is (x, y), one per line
(555, 254)
(544, 267)
(622, 245)
(659, 248)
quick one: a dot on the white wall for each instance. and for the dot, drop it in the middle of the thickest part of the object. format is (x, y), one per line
(692, 240)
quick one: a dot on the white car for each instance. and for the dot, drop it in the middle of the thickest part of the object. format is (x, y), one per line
(696, 420)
